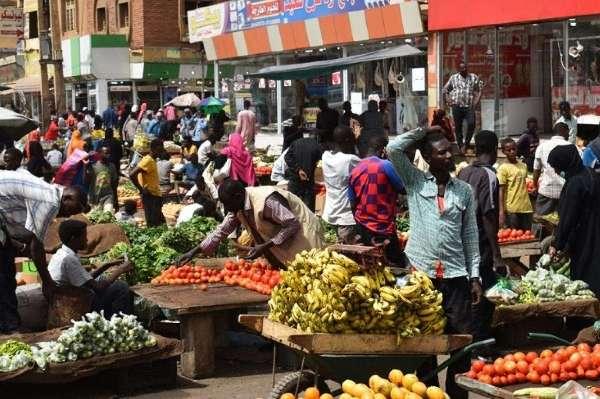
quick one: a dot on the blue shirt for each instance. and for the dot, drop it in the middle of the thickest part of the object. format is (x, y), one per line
(200, 125)
(153, 128)
(449, 235)
(190, 171)
(187, 125)
(589, 158)
(109, 117)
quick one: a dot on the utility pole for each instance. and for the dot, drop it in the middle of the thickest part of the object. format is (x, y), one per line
(46, 99)
(59, 80)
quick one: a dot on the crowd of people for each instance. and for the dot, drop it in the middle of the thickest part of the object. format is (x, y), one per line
(454, 213)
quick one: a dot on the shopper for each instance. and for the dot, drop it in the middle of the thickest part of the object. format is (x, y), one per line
(371, 123)
(280, 223)
(205, 152)
(443, 241)
(28, 205)
(104, 180)
(36, 163)
(481, 176)
(246, 125)
(241, 168)
(200, 125)
(528, 143)
(146, 121)
(337, 166)
(567, 118)
(54, 157)
(116, 148)
(53, 131)
(145, 178)
(546, 181)
(301, 159)
(463, 93)
(515, 206)
(130, 129)
(127, 212)
(347, 116)
(591, 155)
(165, 167)
(293, 132)
(76, 143)
(109, 118)
(373, 194)
(578, 234)
(385, 116)
(217, 123)
(13, 158)
(327, 120)
(111, 295)
(187, 123)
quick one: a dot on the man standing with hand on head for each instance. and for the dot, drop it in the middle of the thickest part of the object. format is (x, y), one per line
(443, 241)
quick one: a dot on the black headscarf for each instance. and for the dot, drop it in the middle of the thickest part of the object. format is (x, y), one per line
(565, 158)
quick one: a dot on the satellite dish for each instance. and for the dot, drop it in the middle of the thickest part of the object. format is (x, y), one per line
(575, 51)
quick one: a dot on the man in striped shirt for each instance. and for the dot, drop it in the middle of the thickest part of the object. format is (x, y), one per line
(27, 207)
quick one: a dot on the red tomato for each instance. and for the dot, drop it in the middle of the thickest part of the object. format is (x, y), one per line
(596, 348)
(510, 366)
(596, 359)
(586, 363)
(533, 377)
(571, 349)
(572, 375)
(503, 380)
(592, 374)
(509, 357)
(547, 353)
(554, 366)
(523, 366)
(489, 370)
(553, 378)
(519, 356)
(521, 377)
(472, 375)
(531, 356)
(583, 347)
(499, 369)
(544, 379)
(511, 379)
(580, 371)
(563, 376)
(486, 379)
(569, 365)
(575, 358)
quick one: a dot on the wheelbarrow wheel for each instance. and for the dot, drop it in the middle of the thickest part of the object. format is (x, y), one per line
(288, 384)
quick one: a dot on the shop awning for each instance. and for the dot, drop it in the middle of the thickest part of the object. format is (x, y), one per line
(29, 84)
(315, 68)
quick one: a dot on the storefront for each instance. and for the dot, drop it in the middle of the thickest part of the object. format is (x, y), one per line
(307, 34)
(530, 58)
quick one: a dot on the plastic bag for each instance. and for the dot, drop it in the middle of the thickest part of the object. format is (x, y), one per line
(573, 390)
(501, 293)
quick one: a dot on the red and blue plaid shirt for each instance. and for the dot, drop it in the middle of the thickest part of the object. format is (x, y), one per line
(374, 188)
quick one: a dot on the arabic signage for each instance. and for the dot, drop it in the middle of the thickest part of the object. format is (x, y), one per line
(11, 27)
(238, 15)
(208, 21)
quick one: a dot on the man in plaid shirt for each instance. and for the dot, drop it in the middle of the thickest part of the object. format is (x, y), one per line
(463, 93)
(374, 189)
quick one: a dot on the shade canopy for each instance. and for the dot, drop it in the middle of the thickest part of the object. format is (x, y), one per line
(211, 105)
(185, 100)
(13, 126)
(316, 68)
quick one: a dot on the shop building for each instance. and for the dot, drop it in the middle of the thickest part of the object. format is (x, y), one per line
(529, 55)
(240, 38)
(127, 51)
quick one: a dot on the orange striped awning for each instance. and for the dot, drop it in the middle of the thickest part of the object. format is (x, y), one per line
(396, 20)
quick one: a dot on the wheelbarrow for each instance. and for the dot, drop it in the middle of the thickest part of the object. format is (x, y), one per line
(338, 357)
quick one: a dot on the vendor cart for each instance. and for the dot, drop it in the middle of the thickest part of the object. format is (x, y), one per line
(352, 356)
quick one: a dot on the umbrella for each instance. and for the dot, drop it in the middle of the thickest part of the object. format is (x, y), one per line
(13, 126)
(185, 100)
(211, 105)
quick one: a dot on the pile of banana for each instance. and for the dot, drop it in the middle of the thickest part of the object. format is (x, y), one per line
(323, 291)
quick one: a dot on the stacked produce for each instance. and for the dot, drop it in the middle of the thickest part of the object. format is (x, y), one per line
(14, 355)
(323, 291)
(329, 232)
(127, 190)
(263, 164)
(403, 231)
(171, 210)
(151, 249)
(541, 285)
(93, 335)
(560, 266)
(256, 276)
(397, 386)
(547, 367)
(98, 216)
(514, 235)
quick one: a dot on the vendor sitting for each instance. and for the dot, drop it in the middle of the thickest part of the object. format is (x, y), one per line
(279, 222)
(111, 295)
(190, 171)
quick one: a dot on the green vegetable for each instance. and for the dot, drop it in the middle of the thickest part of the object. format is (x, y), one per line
(402, 224)
(12, 347)
(98, 216)
(330, 233)
(541, 392)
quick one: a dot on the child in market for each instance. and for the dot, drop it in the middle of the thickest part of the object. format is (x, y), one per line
(515, 206)
(127, 212)
(110, 295)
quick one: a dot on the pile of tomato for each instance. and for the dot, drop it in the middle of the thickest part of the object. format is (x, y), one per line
(510, 235)
(257, 275)
(569, 363)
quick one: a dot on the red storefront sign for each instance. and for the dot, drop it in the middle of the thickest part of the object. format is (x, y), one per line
(458, 14)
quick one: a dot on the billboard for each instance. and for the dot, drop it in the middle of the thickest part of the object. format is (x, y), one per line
(11, 27)
(207, 22)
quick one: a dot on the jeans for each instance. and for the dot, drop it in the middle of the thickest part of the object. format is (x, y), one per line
(305, 190)
(9, 314)
(114, 299)
(461, 114)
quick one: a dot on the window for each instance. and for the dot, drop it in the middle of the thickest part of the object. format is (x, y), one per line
(70, 16)
(32, 25)
(101, 19)
(124, 14)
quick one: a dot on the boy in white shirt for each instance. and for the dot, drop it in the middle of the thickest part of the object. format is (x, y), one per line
(54, 157)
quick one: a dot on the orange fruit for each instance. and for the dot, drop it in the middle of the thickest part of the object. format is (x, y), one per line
(419, 388)
(326, 396)
(395, 376)
(312, 393)
(287, 396)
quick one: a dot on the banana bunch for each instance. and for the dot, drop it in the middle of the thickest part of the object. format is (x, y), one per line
(323, 291)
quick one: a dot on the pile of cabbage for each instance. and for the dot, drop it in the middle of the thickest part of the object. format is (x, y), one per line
(14, 355)
(541, 285)
(94, 335)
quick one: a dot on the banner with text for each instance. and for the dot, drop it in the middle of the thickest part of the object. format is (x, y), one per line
(208, 21)
(11, 27)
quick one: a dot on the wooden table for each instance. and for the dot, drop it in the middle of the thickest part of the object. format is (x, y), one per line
(196, 310)
(511, 253)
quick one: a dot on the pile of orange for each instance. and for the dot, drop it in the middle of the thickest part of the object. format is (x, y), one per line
(257, 276)
(511, 235)
(569, 363)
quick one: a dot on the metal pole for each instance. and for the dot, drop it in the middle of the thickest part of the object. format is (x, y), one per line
(45, 90)
(566, 56)
(216, 78)
(498, 81)
(59, 80)
(345, 80)
(279, 101)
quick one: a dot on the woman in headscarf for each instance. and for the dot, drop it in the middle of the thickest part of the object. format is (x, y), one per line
(578, 232)
(73, 171)
(76, 143)
(242, 168)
